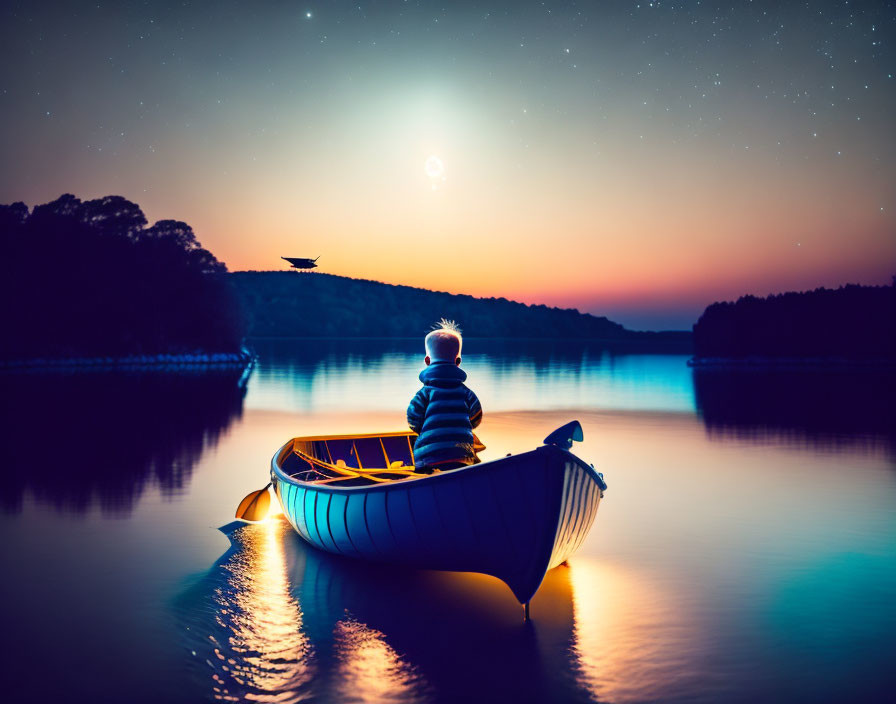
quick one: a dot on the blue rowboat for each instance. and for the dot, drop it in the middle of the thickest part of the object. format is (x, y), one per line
(513, 518)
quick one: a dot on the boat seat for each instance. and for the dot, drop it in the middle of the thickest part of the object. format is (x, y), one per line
(398, 448)
(341, 449)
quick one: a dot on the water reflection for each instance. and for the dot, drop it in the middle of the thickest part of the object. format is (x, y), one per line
(461, 636)
(363, 375)
(369, 670)
(631, 643)
(334, 629)
(74, 440)
(743, 570)
(819, 407)
(822, 407)
(243, 628)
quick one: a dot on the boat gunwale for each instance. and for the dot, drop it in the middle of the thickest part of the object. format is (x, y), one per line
(277, 473)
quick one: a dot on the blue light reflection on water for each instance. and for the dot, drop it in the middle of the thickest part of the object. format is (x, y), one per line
(506, 378)
(746, 550)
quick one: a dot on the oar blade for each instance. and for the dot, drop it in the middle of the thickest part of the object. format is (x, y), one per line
(255, 506)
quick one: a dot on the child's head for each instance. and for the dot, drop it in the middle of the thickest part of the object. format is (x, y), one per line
(443, 343)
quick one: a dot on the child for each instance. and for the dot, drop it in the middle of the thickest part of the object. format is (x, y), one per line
(444, 412)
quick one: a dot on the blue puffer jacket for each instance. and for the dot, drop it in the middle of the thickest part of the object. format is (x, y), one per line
(444, 413)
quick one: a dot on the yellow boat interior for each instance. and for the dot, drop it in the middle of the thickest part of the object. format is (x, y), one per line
(353, 460)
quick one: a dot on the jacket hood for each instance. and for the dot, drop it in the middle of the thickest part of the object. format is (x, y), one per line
(443, 374)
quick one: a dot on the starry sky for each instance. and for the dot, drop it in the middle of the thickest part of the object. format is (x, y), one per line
(631, 159)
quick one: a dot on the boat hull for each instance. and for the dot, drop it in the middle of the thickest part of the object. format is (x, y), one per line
(512, 518)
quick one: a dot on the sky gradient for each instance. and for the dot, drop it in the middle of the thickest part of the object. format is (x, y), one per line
(635, 160)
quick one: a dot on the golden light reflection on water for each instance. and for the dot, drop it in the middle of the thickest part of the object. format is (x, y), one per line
(369, 670)
(631, 640)
(376, 634)
(601, 630)
(261, 653)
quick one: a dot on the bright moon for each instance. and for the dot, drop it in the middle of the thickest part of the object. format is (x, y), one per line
(434, 168)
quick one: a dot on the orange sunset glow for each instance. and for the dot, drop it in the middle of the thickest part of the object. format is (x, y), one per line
(530, 159)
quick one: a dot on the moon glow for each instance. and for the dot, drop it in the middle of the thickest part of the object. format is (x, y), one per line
(435, 169)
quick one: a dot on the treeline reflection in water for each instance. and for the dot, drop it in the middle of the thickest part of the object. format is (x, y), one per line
(73, 441)
(316, 375)
(824, 408)
(77, 440)
(275, 620)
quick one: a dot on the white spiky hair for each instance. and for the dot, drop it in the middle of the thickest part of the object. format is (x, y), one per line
(449, 325)
(444, 343)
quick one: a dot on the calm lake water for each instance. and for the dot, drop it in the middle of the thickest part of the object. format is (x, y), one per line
(745, 550)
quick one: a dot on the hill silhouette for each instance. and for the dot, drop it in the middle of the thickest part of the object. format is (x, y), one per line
(85, 278)
(91, 279)
(850, 323)
(289, 304)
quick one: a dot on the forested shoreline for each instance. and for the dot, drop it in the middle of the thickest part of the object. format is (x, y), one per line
(316, 305)
(91, 280)
(852, 323)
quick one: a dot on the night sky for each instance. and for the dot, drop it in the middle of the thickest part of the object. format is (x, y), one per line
(632, 159)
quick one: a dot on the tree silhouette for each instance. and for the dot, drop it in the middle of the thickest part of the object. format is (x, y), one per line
(282, 303)
(851, 322)
(89, 278)
(113, 215)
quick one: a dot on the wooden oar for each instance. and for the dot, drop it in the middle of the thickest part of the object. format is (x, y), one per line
(255, 506)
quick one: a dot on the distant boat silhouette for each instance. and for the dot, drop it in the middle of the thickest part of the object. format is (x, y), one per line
(301, 263)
